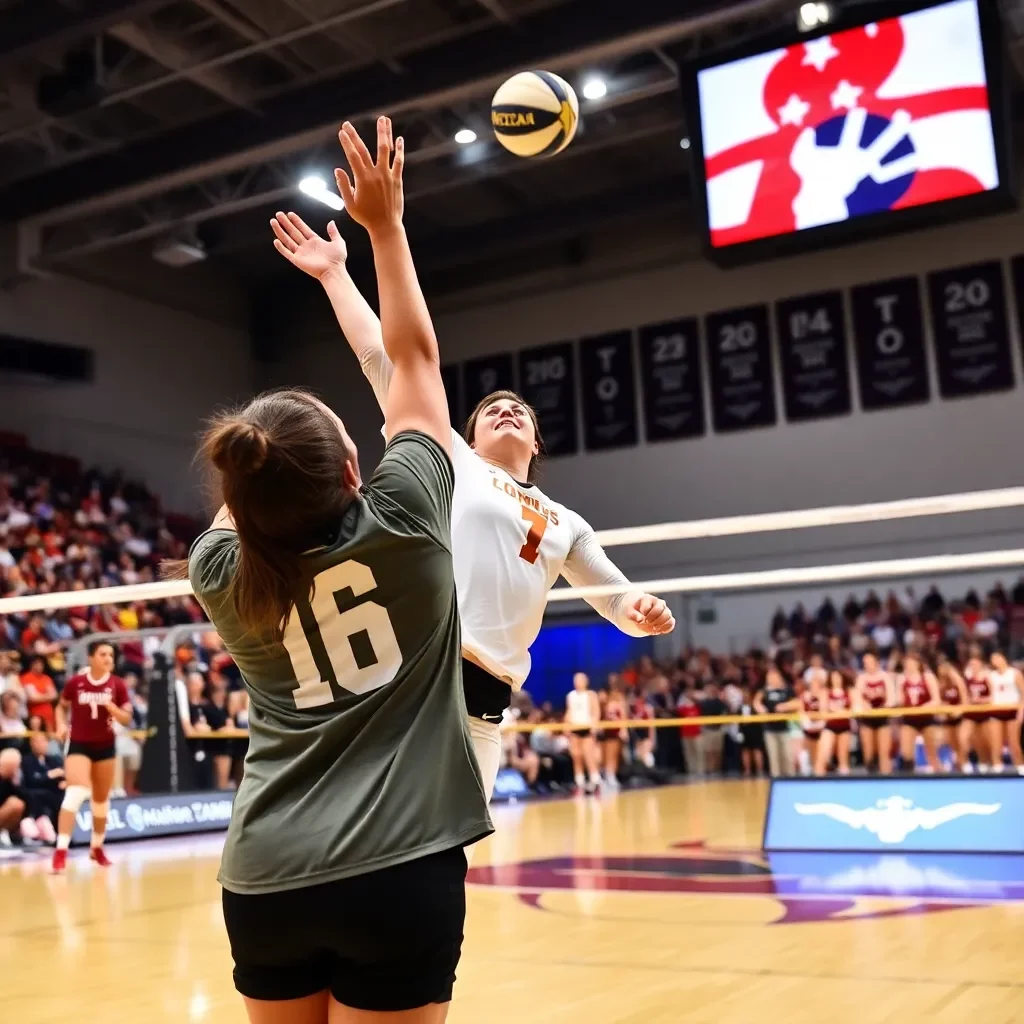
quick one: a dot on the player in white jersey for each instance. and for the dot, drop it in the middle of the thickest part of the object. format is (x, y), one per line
(1007, 687)
(510, 541)
(582, 713)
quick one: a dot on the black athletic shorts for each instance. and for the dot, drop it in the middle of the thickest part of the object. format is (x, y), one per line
(919, 722)
(91, 751)
(875, 722)
(487, 697)
(388, 940)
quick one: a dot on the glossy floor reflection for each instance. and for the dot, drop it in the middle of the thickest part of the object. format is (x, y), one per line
(653, 906)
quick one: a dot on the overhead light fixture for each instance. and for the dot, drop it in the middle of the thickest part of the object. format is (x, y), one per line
(595, 88)
(316, 188)
(464, 136)
(684, 143)
(811, 15)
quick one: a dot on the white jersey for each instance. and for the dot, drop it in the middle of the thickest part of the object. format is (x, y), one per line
(578, 708)
(1004, 686)
(510, 543)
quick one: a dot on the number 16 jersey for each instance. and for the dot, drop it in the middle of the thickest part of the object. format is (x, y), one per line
(359, 756)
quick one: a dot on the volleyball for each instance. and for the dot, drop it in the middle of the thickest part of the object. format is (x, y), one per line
(535, 113)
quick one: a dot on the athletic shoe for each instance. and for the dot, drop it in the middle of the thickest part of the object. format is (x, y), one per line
(98, 855)
(59, 862)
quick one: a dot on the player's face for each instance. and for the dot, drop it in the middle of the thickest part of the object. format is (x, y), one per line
(505, 425)
(101, 661)
(999, 662)
(870, 662)
(580, 681)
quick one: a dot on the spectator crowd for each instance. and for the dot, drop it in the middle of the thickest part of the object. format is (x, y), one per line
(63, 528)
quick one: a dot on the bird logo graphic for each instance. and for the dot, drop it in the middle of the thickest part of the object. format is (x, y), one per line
(893, 818)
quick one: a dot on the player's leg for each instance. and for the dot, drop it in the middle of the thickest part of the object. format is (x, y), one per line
(576, 753)
(843, 752)
(930, 736)
(994, 742)
(868, 733)
(102, 777)
(307, 1010)
(908, 747)
(592, 759)
(964, 740)
(436, 1013)
(77, 774)
(1012, 726)
(823, 754)
(883, 747)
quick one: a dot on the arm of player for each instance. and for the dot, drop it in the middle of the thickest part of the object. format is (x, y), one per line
(634, 612)
(326, 259)
(416, 398)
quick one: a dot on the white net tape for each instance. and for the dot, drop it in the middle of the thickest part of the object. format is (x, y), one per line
(695, 529)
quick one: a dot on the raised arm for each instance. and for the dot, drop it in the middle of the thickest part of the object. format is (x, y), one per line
(374, 198)
(634, 612)
(326, 259)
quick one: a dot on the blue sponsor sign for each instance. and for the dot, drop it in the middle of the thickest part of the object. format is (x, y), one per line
(170, 815)
(926, 815)
(509, 784)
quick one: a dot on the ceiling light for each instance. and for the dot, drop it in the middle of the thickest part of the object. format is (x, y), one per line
(594, 88)
(316, 188)
(464, 136)
(813, 14)
(684, 143)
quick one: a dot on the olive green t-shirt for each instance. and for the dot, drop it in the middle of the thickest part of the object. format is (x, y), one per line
(359, 756)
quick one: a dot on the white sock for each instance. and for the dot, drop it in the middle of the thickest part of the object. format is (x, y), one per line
(580, 780)
(63, 842)
(96, 840)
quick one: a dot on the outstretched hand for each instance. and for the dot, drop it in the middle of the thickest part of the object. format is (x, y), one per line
(301, 246)
(374, 195)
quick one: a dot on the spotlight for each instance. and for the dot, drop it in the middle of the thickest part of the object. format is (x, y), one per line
(464, 136)
(811, 15)
(316, 188)
(594, 88)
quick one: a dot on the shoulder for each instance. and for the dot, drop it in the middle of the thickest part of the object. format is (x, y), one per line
(212, 560)
(409, 453)
(119, 685)
(72, 685)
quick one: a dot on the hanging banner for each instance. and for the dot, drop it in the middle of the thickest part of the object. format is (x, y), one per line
(549, 385)
(742, 381)
(812, 344)
(671, 380)
(889, 337)
(482, 376)
(969, 325)
(609, 391)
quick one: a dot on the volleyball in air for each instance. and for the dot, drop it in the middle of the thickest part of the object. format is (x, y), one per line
(535, 113)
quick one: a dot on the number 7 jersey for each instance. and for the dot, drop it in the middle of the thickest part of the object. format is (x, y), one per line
(359, 755)
(511, 544)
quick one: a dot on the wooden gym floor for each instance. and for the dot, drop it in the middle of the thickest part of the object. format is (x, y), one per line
(649, 906)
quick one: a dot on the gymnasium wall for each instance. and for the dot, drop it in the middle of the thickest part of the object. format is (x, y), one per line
(158, 373)
(939, 447)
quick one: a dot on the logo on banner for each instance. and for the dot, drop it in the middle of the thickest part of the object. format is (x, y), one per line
(881, 117)
(894, 818)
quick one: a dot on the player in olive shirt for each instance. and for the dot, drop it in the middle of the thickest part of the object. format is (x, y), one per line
(343, 869)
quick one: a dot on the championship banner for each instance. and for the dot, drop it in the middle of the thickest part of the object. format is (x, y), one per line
(482, 376)
(812, 345)
(983, 814)
(969, 325)
(672, 380)
(549, 384)
(609, 391)
(144, 817)
(742, 381)
(889, 336)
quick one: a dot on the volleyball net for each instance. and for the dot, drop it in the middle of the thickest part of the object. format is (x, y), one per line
(163, 647)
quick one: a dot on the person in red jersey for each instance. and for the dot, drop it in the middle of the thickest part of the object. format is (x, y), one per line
(973, 734)
(952, 693)
(918, 688)
(811, 693)
(873, 691)
(89, 706)
(835, 737)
